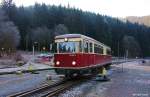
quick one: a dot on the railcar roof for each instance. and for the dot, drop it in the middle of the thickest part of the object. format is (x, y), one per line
(78, 36)
(68, 36)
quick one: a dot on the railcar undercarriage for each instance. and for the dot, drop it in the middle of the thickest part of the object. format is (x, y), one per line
(80, 72)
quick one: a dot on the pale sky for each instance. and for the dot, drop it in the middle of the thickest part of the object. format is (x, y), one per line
(115, 8)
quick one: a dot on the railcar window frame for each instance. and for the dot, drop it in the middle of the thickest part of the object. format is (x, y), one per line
(98, 49)
(108, 52)
(78, 47)
(85, 43)
(90, 47)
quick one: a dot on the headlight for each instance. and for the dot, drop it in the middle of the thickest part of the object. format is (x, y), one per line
(73, 63)
(57, 62)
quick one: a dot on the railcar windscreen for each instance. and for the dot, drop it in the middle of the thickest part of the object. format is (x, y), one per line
(69, 47)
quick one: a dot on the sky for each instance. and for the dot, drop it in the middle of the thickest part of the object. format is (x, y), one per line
(114, 8)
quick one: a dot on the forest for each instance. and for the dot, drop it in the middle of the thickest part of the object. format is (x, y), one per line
(22, 27)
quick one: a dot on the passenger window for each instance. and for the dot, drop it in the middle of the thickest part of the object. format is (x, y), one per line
(98, 49)
(101, 49)
(91, 47)
(86, 47)
(108, 52)
(80, 46)
(95, 48)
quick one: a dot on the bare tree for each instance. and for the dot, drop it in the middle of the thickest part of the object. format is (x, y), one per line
(9, 34)
(41, 37)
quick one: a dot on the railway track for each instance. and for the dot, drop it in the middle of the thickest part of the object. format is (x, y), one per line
(58, 89)
(37, 91)
(48, 90)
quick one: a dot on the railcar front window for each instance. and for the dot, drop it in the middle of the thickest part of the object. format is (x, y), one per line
(68, 47)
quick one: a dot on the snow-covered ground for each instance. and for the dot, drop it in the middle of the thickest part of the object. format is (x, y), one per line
(5, 64)
(13, 83)
(28, 66)
(133, 81)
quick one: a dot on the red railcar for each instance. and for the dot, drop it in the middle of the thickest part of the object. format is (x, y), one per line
(79, 54)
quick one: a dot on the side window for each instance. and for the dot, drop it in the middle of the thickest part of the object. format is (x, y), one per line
(108, 52)
(95, 48)
(101, 49)
(57, 46)
(91, 47)
(80, 46)
(85, 47)
(98, 49)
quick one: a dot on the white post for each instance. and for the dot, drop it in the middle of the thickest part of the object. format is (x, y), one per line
(33, 49)
(122, 66)
(118, 52)
(126, 54)
(50, 47)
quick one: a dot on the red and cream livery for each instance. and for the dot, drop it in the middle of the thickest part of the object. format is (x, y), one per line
(79, 54)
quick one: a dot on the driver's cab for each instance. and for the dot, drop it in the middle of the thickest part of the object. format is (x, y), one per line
(68, 45)
(68, 48)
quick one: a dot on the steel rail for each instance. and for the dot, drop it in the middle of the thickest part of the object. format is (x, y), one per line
(36, 90)
(49, 90)
(59, 89)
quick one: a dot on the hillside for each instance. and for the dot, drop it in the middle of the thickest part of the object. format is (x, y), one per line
(141, 20)
(40, 23)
